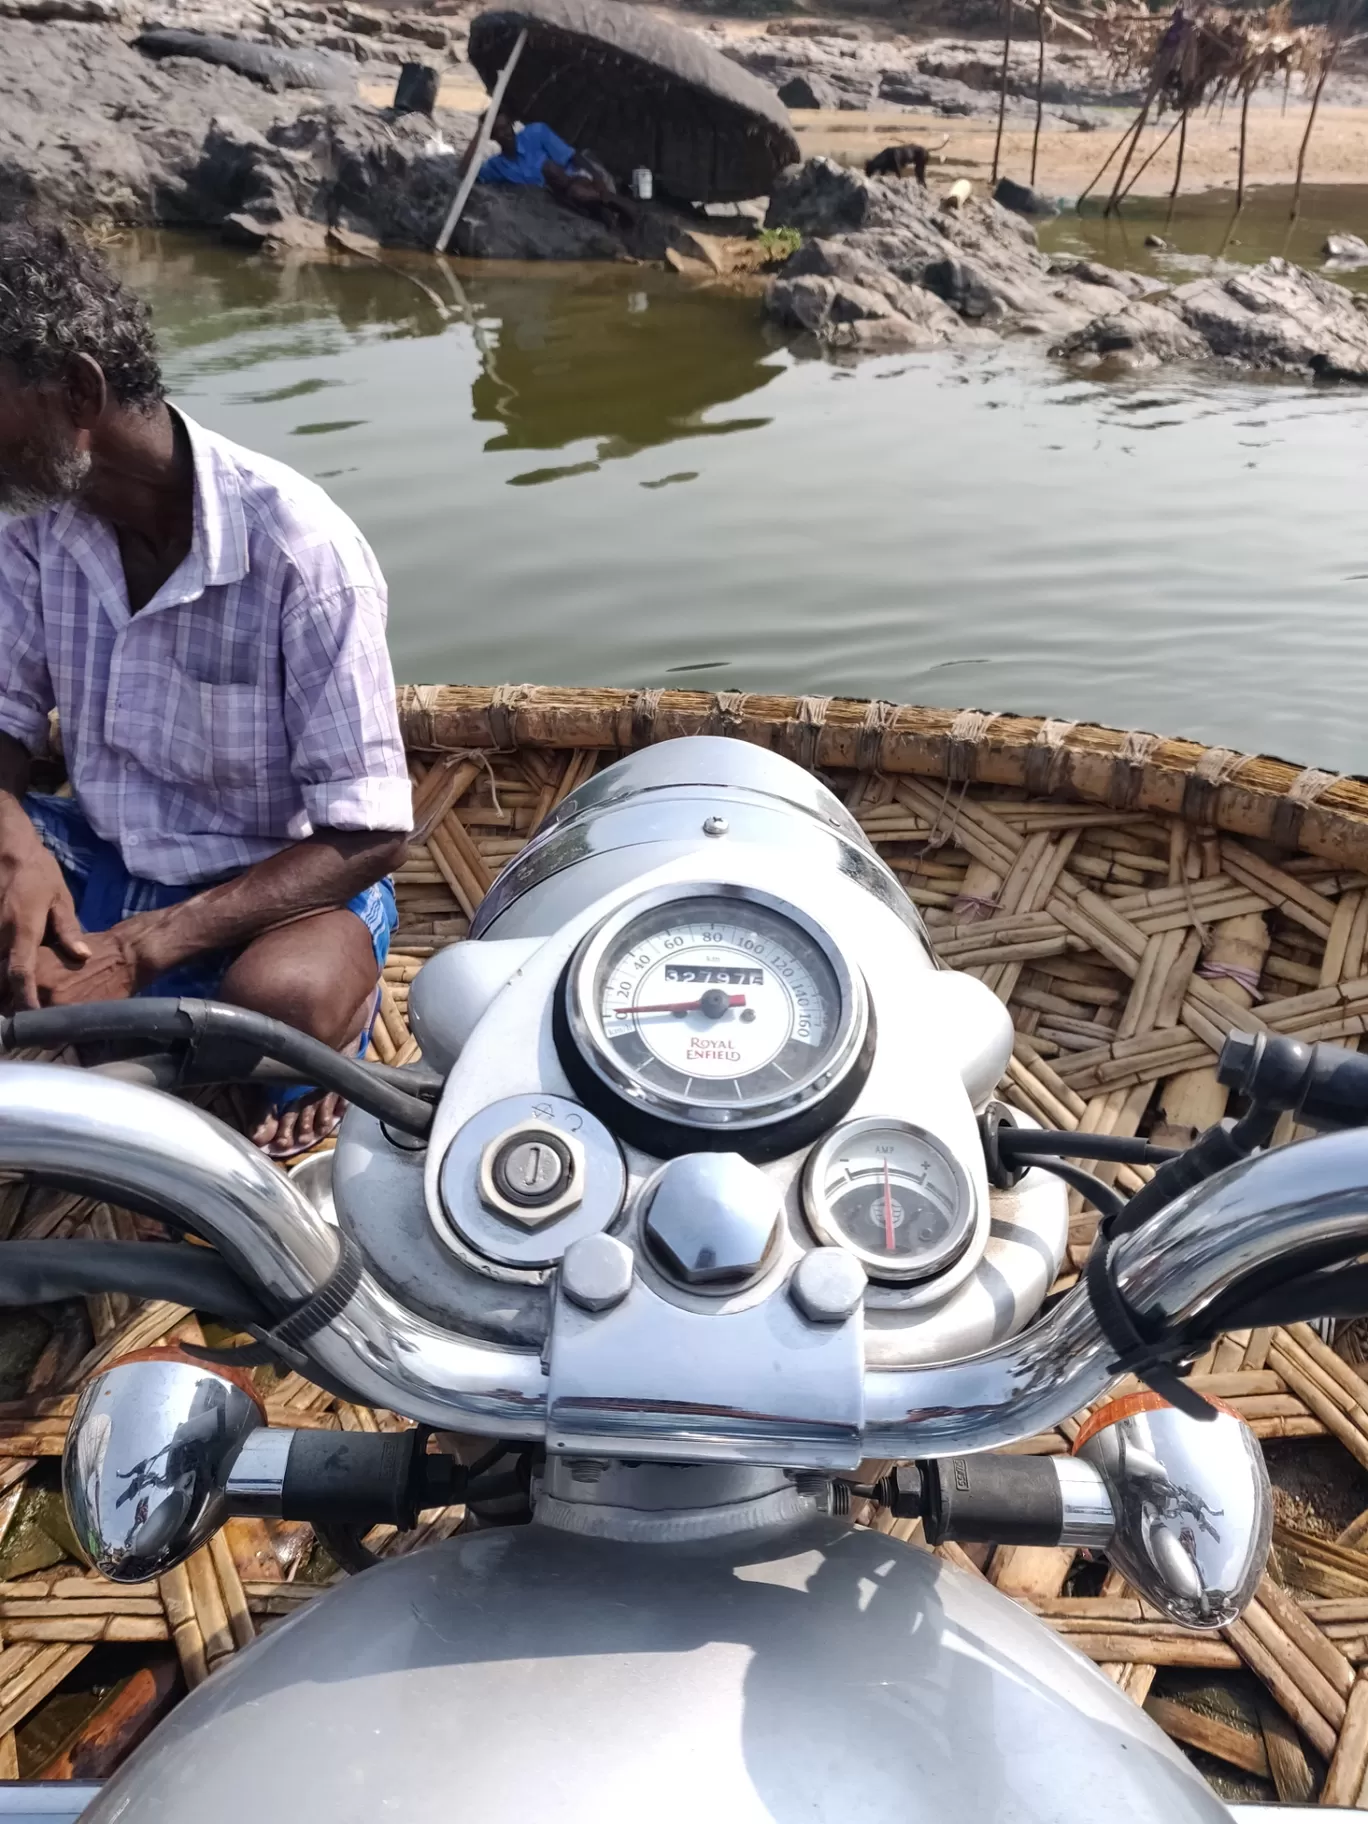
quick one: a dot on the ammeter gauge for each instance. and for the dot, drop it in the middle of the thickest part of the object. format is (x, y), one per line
(715, 1011)
(893, 1195)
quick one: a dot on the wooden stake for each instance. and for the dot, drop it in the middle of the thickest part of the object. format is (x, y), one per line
(1178, 168)
(1136, 131)
(1325, 70)
(1002, 87)
(1040, 84)
(1140, 172)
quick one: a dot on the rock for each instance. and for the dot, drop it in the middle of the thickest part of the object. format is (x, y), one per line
(1093, 272)
(841, 314)
(979, 260)
(1345, 250)
(1023, 200)
(275, 69)
(430, 32)
(292, 233)
(819, 197)
(809, 92)
(1138, 335)
(513, 222)
(131, 129)
(1277, 316)
(1157, 241)
(363, 21)
(82, 12)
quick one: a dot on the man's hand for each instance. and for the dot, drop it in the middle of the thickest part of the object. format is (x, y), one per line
(34, 905)
(113, 969)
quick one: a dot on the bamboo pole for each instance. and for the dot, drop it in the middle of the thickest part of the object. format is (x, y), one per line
(472, 172)
(1002, 86)
(1135, 133)
(1040, 85)
(1141, 169)
(1327, 65)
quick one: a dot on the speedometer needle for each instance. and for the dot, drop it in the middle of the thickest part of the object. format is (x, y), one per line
(713, 1002)
(890, 1239)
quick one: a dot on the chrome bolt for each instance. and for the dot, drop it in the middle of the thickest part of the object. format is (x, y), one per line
(715, 826)
(827, 1286)
(596, 1273)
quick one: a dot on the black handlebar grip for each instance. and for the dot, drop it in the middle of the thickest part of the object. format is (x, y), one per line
(1003, 1499)
(1323, 1085)
(350, 1478)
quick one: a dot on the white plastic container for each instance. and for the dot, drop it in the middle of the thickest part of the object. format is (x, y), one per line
(643, 185)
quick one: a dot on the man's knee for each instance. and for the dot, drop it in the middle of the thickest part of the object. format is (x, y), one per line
(315, 980)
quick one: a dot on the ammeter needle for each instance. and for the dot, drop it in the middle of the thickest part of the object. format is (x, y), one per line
(890, 1239)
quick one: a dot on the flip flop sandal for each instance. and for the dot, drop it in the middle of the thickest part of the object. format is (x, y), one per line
(285, 1098)
(279, 1104)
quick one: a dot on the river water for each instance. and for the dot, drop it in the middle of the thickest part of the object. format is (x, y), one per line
(601, 475)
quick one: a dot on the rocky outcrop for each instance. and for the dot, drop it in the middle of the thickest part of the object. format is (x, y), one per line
(979, 261)
(1270, 318)
(1276, 316)
(857, 71)
(849, 299)
(194, 143)
(887, 265)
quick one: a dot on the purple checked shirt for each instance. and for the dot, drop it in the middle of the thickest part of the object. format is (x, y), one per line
(250, 703)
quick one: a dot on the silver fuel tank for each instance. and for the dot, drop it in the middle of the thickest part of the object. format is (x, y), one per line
(799, 1674)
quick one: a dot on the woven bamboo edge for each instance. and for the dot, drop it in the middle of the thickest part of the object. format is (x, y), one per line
(1298, 807)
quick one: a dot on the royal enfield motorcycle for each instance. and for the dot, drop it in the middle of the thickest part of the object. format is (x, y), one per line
(697, 1228)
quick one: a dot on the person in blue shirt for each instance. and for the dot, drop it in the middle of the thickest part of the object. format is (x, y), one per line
(535, 156)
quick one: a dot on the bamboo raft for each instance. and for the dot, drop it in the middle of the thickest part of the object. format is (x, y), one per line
(1131, 899)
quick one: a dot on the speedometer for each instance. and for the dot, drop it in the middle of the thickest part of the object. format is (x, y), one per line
(719, 1009)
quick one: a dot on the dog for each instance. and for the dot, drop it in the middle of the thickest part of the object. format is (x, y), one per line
(897, 161)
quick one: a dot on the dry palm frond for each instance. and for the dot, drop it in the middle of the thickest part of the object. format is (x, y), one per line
(1204, 54)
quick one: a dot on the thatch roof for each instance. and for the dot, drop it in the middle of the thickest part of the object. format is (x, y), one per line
(637, 91)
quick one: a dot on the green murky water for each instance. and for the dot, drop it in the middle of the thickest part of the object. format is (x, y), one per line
(601, 475)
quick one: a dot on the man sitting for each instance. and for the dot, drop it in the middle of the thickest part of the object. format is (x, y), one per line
(535, 156)
(211, 630)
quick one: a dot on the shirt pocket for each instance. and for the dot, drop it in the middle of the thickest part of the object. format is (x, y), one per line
(198, 734)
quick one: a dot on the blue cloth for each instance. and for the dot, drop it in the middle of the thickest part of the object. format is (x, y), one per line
(104, 893)
(536, 143)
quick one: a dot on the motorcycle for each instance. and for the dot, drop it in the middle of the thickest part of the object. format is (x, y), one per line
(698, 1201)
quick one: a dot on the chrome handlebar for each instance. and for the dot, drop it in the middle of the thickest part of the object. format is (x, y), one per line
(145, 1149)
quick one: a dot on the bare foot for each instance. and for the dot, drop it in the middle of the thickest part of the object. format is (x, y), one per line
(300, 1127)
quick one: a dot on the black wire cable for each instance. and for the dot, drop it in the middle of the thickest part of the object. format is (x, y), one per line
(1017, 1143)
(1109, 1203)
(239, 1035)
(42, 1272)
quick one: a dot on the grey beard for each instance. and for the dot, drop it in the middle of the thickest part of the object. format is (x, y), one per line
(51, 478)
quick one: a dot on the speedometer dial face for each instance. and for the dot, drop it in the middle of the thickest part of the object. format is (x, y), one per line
(716, 1008)
(890, 1193)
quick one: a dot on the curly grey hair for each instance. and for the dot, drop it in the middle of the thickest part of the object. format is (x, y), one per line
(59, 297)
